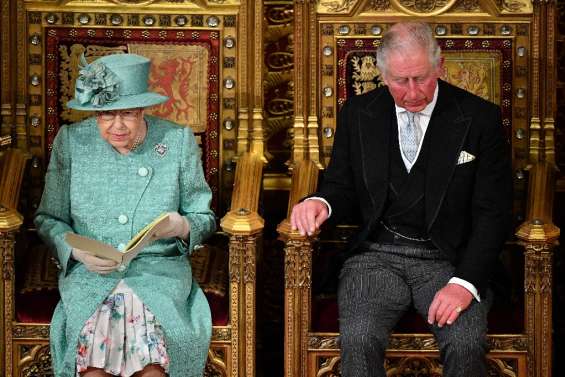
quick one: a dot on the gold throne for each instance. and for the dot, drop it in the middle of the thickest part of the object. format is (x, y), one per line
(491, 49)
(202, 53)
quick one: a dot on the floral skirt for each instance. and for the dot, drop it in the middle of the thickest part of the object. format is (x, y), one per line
(122, 336)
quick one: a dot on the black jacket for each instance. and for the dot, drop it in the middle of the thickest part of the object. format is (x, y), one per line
(468, 206)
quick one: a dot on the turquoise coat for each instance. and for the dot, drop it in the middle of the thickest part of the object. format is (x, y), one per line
(88, 186)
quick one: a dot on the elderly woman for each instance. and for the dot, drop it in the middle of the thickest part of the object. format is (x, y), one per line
(108, 177)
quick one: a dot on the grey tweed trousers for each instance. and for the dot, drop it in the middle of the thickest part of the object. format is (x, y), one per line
(377, 286)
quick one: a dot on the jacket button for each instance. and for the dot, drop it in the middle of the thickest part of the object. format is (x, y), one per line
(122, 219)
(122, 247)
(142, 172)
(122, 268)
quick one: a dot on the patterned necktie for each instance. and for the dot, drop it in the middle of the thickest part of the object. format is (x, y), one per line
(410, 135)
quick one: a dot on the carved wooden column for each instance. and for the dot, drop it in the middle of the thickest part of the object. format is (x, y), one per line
(10, 222)
(306, 144)
(243, 78)
(539, 236)
(257, 135)
(244, 225)
(313, 91)
(243, 265)
(297, 275)
(7, 71)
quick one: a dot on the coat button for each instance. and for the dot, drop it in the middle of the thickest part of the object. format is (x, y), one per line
(122, 268)
(122, 246)
(142, 172)
(122, 219)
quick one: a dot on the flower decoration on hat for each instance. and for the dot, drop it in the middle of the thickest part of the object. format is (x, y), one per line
(96, 84)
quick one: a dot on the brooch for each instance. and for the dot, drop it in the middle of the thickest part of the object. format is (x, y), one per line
(160, 149)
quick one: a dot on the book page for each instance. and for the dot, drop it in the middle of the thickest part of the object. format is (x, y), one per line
(146, 235)
(94, 247)
(137, 243)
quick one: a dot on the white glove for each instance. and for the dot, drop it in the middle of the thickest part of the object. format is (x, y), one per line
(94, 264)
(178, 227)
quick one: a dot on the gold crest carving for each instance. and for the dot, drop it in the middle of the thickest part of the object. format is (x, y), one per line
(336, 6)
(421, 7)
(517, 6)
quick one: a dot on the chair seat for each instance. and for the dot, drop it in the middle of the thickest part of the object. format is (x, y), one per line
(38, 307)
(502, 319)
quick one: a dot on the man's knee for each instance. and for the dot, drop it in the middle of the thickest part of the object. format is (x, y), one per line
(364, 341)
(464, 344)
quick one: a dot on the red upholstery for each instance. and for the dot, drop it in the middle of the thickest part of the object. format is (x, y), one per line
(38, 307)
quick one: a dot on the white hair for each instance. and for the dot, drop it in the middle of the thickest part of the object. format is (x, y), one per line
(404, 38)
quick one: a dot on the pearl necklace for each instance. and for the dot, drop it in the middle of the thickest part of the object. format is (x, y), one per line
(138, 139)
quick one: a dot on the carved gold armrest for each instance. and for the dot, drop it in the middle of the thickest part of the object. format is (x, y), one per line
(297, 273)
(244, 226)
(539, 236)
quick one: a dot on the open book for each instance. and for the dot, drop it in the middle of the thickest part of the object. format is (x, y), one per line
(133, 247)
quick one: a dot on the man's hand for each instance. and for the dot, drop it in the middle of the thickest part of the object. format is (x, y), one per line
(448, 304)
(94, 264)
(308, 216)
(178, 227)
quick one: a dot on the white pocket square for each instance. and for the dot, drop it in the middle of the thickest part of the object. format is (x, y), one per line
(465, 157)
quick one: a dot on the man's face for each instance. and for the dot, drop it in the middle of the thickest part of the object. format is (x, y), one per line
(412, 79)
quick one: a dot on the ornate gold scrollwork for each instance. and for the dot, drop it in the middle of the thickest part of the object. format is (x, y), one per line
(378, 5)
(327, 342)
(135, 2)
(424, 7)
(242, 249)
(221, 334)
(31, 331)
(298, 263)
(37, 361)
(508, 343)
(413, 366)
(467, 6)
(329, 366)
(407, 342)
(7, 251)
(216, 363)
(337, 6)
(514, 5)
(502, 367)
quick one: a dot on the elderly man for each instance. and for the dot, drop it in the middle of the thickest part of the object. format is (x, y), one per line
(429, 168)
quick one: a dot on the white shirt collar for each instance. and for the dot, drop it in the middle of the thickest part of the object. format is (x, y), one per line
(427, 111)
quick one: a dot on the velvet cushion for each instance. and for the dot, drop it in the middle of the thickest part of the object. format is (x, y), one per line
(38, 307)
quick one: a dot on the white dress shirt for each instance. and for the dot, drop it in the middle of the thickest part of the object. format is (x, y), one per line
(422, 119)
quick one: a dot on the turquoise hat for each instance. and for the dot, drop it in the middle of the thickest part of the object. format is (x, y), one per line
(114, 82)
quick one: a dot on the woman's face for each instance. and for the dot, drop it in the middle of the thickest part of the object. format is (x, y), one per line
(121, 128)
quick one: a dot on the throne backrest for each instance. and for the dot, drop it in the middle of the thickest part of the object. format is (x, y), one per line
(195, 62)
(185, 67)
(489, 60)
